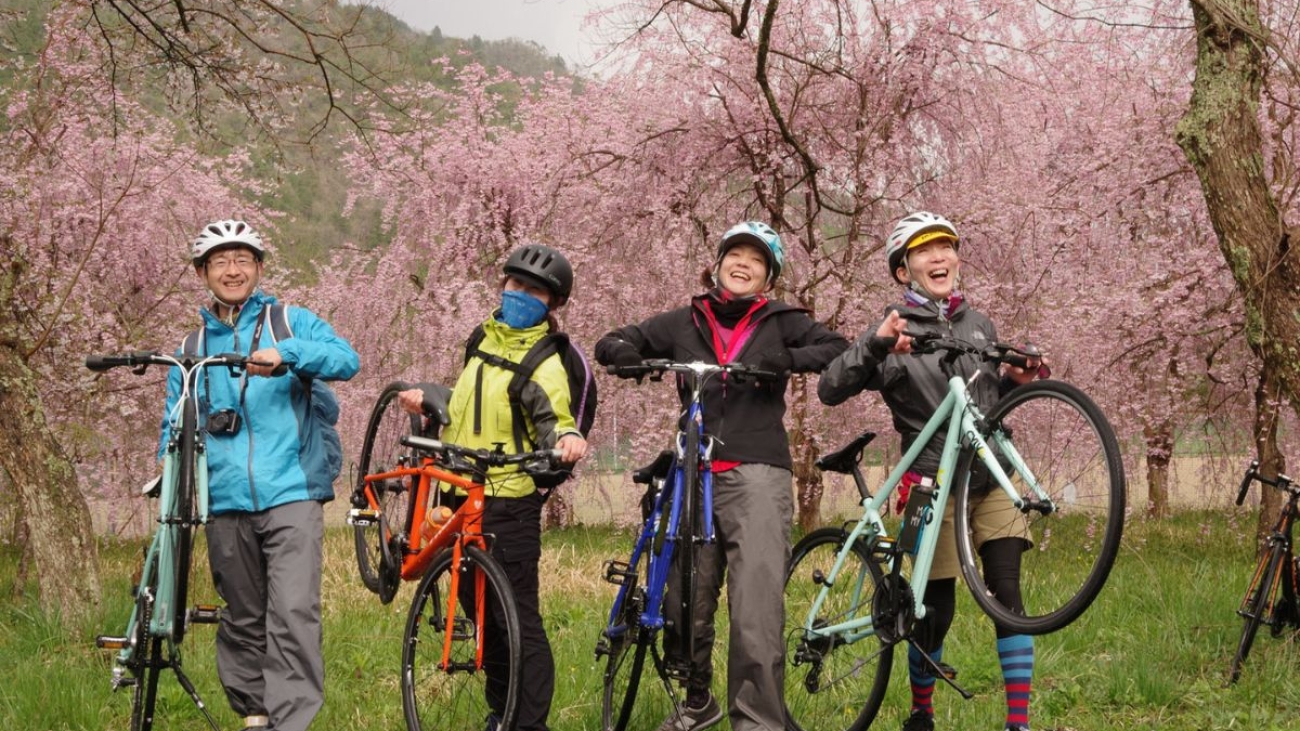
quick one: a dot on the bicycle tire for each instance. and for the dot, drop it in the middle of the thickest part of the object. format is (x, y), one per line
(145, 659)
(182, 528)
(689, 528)
(624, 643)
(432, 697)
(146, 689)
(832, 684)
(1258, 602)
(1073, 452)
(382, 450)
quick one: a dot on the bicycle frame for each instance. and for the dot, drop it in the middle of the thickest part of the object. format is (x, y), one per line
(961, 416)
(463, 528)
(673, 495)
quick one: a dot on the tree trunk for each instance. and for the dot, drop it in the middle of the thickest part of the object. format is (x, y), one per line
(1220, 135)
(807, 478)
(1160, 450)
(63, 550)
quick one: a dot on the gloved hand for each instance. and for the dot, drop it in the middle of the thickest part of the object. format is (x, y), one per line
(623, 355)
(776, 361)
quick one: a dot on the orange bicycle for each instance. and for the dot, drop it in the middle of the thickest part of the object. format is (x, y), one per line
(461, 649)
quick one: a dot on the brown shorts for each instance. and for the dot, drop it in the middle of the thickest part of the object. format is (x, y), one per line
(994, 517)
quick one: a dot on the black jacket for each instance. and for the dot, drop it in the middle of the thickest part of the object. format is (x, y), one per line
(913, 386)
(747, 420)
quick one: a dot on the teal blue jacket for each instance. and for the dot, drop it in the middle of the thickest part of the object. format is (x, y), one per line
(271, 461)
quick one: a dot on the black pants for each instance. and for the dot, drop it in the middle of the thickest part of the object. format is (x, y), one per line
(515, 527)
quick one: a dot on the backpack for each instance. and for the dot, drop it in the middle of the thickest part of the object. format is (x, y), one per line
(582, 389)
(322, 403)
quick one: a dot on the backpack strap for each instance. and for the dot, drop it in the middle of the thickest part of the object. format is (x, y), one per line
(544, 348)
(194, 340)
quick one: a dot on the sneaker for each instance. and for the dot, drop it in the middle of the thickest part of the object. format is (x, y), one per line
(693, 719)
(493, 723)
(919, 721)
(1016, 727)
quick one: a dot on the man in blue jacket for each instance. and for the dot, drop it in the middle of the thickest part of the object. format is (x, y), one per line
(268, 477)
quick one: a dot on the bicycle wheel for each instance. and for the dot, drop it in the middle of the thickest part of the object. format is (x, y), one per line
(146, 653)
(381, 451)
(833, 682)
(146, 687)
(444, 685)
(1067, 444)
(1259, 602)
(624, 644)
(180, 537)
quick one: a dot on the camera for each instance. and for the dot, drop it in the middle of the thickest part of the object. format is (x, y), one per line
(226, 421)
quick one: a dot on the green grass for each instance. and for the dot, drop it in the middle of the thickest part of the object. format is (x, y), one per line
(1153, 651)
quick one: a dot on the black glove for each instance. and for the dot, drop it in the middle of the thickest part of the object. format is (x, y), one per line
(776, 361)
(623, 355)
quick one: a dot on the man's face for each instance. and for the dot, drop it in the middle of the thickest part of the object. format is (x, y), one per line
(232, 274)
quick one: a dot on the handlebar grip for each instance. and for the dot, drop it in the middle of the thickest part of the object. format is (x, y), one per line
(100, 363)
(1245, 481)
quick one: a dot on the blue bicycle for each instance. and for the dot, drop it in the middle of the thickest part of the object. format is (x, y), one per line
(678, 512)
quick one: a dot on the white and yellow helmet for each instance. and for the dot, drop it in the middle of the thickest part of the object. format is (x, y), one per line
(915, 229)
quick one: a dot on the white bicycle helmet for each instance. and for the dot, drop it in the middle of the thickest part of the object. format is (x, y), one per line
(915, 229)
(220, 235)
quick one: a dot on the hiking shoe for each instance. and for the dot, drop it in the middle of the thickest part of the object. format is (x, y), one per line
(693, 719)
(919, 721)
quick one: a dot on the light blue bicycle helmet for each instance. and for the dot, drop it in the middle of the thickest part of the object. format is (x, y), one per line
(761, 235)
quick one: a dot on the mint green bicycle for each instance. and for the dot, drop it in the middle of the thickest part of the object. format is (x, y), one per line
(161, 614)
(1043, 463)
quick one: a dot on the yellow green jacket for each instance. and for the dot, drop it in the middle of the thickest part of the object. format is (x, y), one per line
(545, 403)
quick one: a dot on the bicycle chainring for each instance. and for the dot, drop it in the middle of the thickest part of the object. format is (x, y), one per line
(893, 612)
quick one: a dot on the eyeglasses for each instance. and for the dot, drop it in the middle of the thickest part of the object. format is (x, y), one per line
(222, 264)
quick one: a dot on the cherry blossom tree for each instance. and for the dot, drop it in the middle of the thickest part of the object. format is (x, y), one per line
(92, 218)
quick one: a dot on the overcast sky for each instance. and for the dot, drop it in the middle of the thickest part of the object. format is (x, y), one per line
(555, 24)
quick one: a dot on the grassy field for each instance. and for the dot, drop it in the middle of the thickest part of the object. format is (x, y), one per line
(1152, 653)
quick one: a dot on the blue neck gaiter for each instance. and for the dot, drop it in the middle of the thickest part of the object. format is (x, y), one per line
(520, 309)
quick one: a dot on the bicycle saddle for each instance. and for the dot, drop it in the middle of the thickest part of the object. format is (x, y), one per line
(658, 468)
(844, 459)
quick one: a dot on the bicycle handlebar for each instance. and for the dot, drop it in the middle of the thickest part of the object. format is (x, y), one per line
(468, 459)
(1014, 355)
(1281, 482)
(655, 368)
(142, 359)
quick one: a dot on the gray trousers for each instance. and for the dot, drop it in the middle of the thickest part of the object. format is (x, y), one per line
(267, 569)
(752, 506)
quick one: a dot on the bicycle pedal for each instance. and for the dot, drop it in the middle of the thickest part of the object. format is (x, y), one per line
(363, 517)
(619, 573)
(205, 614)
(122, 680)
(106, 642)
(947, 671)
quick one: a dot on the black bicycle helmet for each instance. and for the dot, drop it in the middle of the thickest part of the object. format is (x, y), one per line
(545, 266)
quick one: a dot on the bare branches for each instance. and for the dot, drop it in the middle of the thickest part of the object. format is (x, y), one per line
(279, 63)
